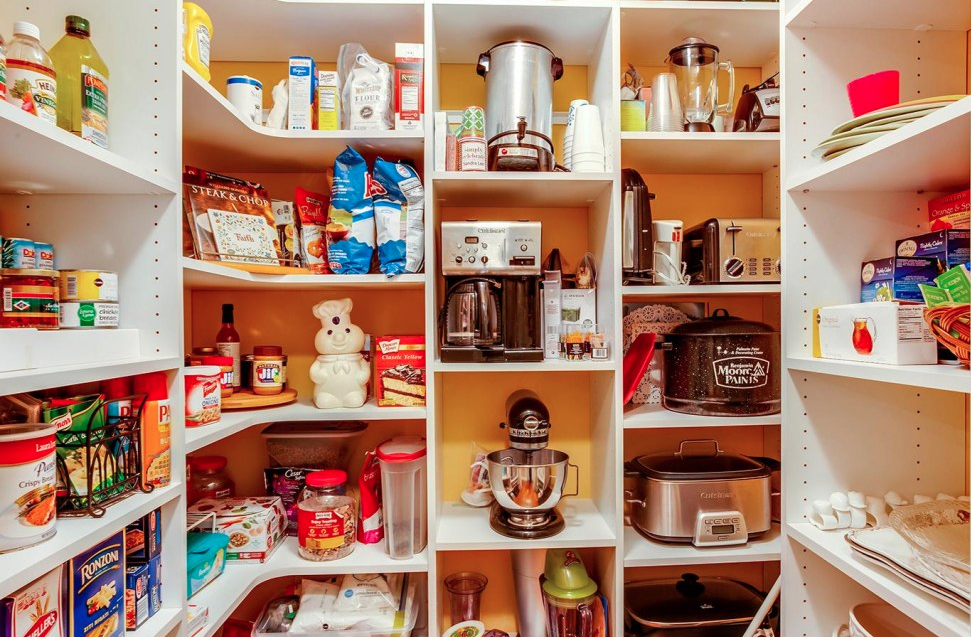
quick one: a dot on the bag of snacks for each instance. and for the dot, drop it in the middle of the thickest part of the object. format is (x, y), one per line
(350, 223)
(399, 214)
(312, 219)
(371, 524)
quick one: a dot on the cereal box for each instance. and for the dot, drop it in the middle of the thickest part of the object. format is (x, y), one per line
(399, 367)
(409, 86)
(255, 525)
(35, 610)
(328, 100)
(143, 538)
(136, 596)
(96, 587)
(302, 103)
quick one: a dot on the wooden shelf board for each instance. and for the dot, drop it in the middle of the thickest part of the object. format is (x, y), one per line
(521, 190)
(942, 15)
(693, 153)
(946, 377)
(656, 417)
(640, 551)
(208, 275)
(740, 289)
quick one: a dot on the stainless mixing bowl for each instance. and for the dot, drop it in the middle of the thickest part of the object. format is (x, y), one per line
(528, 480)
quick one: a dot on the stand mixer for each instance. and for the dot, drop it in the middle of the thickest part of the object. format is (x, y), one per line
(527, 479)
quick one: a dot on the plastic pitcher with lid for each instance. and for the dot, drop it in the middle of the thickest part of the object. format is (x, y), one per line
(403, 496)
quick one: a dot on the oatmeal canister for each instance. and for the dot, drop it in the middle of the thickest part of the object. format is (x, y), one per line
(27, 482)
(89, 285)
(29, 298)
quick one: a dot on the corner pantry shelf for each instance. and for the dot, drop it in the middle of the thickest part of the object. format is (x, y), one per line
(33, 146)
(639, 551)
(939, 617)
(158, 625)
(206, 275)
(929, 154)
(742, 289)
(216, 137)
(462, 527)
(19, 568)
(941, 15)
(692, 153)
(746, 32)
(657, 417)
(520, 189)
(231, 422)
(946, 377)
(544, 366)
(226, 592)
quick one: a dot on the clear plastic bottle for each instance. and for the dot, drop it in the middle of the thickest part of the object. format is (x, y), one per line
(3, 68)
(31, 80)
(326, 519)
(208, 479)
(82, 83)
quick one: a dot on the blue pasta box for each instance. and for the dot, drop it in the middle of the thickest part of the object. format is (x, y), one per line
(96, 590)
(143, 538)
(950, 247)
(896, 278)
(136, 596)
(154, 585)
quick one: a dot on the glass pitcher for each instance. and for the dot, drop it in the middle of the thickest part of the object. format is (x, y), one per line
(695, 64)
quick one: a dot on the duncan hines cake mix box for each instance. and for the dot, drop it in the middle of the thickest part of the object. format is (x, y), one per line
(399, 367)
(96, 591)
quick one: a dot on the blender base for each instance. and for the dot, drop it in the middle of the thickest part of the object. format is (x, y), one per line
(699, 127)
(545, 525)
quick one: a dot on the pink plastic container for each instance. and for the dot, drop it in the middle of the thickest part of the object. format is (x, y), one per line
(873, 92)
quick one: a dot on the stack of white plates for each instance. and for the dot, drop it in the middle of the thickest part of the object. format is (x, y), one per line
(875, 124)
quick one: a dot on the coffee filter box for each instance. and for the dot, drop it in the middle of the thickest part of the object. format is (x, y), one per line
(876, 332)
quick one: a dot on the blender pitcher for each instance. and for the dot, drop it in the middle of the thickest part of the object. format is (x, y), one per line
(569, 595)
(695, 64)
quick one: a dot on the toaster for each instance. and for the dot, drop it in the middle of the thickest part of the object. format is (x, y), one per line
(734, 251)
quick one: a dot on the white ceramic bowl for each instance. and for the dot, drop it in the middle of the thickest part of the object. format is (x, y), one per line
(883, 620)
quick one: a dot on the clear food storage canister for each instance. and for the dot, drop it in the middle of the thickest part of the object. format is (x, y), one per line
(326, 524)
(403, 499)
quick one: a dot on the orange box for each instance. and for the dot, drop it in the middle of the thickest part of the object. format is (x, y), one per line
(156, 426)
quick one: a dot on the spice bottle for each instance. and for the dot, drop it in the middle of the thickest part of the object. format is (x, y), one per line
(326, 523)
(269, 370)
(209, 479)
(82, 83)
(31, 81)
(225, 365)
(472, 142)
(227, 341)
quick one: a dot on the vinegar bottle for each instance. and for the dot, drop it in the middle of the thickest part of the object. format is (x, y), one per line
(227, 342)
(82, 83)
(31, 81)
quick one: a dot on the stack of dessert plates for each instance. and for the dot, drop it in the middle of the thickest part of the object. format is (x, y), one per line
(875, 124)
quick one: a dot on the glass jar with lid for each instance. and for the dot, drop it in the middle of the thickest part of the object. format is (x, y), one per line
(326, 518)
(208, 479)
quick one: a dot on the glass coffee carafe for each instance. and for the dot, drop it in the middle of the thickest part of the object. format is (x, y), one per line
(695, 64)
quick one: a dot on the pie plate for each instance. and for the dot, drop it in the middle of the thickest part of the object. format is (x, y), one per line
(913, 106)
(850, 142)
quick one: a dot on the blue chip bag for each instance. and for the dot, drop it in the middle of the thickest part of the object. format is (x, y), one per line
(399, 215)
(350, 220)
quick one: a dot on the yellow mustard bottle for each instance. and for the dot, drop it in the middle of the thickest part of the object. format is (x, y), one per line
(196, 38)
(82, 83)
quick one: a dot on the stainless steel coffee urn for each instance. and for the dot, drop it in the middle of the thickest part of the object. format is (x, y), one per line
(519, 104)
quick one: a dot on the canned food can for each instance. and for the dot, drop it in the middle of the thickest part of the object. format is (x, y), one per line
(29, 298)
(27, 484)
(44, 255)
(89, 314)
(89, 285)
(18, 253)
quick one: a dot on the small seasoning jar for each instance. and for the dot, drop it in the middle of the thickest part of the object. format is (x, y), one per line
(30, 298)
(225, 365)
(269, 371)
(326, 525)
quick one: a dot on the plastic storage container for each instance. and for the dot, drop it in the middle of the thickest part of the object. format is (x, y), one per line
(311, 444)
(205, 559)
(208, 479)
(404, 503)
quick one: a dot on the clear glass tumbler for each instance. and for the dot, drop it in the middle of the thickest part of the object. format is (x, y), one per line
(464, 594)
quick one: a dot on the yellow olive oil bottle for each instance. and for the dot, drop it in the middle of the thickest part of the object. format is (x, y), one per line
(82, 83)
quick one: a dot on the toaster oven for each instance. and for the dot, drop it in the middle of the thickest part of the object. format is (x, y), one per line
(734, 251)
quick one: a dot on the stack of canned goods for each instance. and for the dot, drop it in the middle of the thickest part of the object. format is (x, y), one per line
(36, 295)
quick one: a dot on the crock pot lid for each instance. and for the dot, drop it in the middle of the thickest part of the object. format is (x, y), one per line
(724, 466)
(401, 449)
(721, 322)
(690, 601)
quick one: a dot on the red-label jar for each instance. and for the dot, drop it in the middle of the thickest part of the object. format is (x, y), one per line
(326, 526)
(30, 298)
(225, 365)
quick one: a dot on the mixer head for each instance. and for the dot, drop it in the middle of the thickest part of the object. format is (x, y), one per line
(527, 421)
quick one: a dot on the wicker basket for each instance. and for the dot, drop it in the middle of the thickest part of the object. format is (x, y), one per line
(950, 326)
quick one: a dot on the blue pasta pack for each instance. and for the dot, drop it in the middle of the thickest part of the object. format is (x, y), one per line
(97, 590)
(896, 278)
(399, 214)
(350, 220)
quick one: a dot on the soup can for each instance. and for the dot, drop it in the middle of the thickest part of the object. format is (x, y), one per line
(89, 285)
(246, 94)
(44, 255)
(89, 314)
(27, 484)
(18, 253)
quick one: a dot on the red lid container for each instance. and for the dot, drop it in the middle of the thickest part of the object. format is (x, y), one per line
(154, 384)
(401, 449)
(267, 350)
(207, 463)
(218, 361)
(116, 387)
(326, 478)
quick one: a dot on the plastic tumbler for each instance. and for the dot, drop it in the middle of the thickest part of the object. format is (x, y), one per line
(403, 500)
(873, 92)
(464, 595)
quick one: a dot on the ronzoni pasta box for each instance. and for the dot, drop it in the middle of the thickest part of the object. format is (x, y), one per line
(96, 592)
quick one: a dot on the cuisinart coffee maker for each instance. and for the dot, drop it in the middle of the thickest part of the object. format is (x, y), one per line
(491, 310)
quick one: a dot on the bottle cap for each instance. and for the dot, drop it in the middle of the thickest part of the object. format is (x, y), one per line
(268, 350)
(326, 478)
(77, 23)
(26, 28)
(218, 361)
(401, 449)
(116, 387)
(155, 385)
(227, 312)
(207, 463)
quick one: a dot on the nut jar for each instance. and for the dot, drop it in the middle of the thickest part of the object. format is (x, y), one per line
(326, 523)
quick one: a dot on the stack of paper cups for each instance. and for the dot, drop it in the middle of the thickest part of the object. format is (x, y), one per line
(571, 119)
(665, 111)
(588, 141)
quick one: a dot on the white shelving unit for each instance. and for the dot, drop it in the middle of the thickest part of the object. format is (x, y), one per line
(685, 153)
(208, 275)
(640, 551)
(725, 290)
(651, 416)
